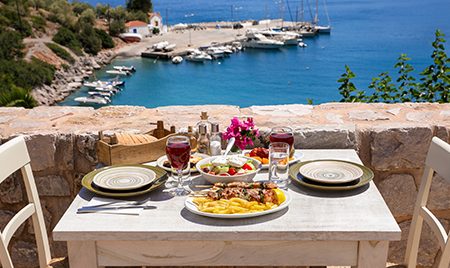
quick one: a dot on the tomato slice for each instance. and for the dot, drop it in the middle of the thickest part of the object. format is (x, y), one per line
(232, 171)
(247, 167)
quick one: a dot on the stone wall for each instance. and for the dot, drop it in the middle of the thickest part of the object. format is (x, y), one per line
(390, 139)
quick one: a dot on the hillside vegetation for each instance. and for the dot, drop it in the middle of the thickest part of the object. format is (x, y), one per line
(66, 29)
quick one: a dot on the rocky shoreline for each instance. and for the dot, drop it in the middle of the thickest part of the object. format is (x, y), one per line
(66, 81)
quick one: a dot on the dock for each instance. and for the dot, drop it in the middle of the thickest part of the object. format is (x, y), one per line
(203, 36)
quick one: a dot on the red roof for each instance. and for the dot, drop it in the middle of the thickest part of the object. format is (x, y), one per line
(136, 23)
(151, 14)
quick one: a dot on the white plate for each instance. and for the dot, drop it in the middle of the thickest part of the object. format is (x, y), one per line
(331, 172)
(124, 178)
(189, 204)
(297, 156)
(162, 159)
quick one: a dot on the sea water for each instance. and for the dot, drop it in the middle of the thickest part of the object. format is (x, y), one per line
(367, 35)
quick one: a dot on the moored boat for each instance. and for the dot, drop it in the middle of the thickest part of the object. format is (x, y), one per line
(93, 100)
(131, 37)
(125, 68)
(256, 40)
(118, 72)
(177, 59)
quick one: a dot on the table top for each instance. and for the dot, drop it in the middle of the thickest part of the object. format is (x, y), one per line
(359, 214)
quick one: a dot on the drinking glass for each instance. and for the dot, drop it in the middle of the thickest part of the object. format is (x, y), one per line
(283, 134)
(178, 150)
(279, 164)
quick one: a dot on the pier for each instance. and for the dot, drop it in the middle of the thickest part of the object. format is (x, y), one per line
(203, 35)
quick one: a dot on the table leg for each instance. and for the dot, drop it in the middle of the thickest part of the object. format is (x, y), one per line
(372, 254)
(82, 254)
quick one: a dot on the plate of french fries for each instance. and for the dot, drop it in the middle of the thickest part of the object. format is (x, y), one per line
(238, 200)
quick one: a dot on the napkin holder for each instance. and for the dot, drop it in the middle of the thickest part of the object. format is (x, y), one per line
(111, 153)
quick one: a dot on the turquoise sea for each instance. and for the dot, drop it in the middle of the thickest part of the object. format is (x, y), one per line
(367, 35)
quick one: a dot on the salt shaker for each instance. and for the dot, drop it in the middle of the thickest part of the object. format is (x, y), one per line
(215, 141)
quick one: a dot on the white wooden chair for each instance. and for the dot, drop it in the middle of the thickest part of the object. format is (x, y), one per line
(14, 156)
(437, 161)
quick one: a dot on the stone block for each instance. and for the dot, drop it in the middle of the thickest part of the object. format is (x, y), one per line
(42, 150)
(64, 154)
(400, 147)
(367, 115)
(428, 248)
(439, 194)
(24, 255)
(11, 190)
(399, 191)
(52, 185)
(326, 137)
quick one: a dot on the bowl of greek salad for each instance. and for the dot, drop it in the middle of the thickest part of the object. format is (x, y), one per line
(228, 168)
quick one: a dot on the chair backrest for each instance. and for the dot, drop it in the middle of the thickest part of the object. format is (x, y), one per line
(14, 156)
(437, 161)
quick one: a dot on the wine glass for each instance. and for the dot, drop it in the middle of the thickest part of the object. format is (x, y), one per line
(178, 150)
(283, 134)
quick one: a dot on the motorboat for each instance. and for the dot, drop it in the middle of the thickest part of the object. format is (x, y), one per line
(226, 49)
(118, 72)
(160, 46)
(237, 46)
(93, 100)
(215, 52)
(107, 89)
(198, 56)
(125, 68)
(170, 47)
(101, 94)
(256, 40)
(301, 44)
(131, 37)
(100, 83)
(287, 37)
(323, 29)
(177, 59)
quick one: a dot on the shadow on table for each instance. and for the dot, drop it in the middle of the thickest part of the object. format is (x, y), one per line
(156, 195)
(296, 187)
(186, 214)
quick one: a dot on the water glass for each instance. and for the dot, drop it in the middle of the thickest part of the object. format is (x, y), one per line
(178, 151)
(279, 164)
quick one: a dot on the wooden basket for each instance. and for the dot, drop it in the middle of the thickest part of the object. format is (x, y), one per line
(116, 154)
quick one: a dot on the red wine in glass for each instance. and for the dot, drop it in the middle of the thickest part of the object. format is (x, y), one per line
(283, 134)
(178, 154)
(178, 150)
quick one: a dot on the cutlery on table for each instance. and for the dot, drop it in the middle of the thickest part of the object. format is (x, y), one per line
(87, 209)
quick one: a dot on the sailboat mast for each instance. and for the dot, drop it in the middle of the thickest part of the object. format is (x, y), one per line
(316, 17)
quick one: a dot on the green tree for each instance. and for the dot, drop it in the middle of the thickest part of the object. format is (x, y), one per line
(137, 15)
(116, 27)
(87, 17)
(106, 39)
(79, 7)
(406, 82)
(347, 88)
(11, 45)
(140, 5)
(68, 38)
(17, 97)
(435, 81)
(92, 44)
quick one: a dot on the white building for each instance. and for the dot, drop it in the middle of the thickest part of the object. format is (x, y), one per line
(139, 27)
(155, 20)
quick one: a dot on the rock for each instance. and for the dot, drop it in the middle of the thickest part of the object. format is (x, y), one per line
(42, 150)
(419, 117)
(64, 154)
(428, 245)
(11, 190)
(400, 193)
(52, 185)
(325, 137)
(439, 194)
(400, 147)
(335, 118)
(24, 255)
(282, 110)
(366, 115)
(394, 111)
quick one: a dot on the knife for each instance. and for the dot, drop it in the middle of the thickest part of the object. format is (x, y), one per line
(87, 209)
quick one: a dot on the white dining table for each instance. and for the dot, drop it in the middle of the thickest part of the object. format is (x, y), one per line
(318, 228)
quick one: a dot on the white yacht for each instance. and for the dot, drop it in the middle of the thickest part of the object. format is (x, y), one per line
(215, 52)
(177, 59)
(125, 68)
(118, 72)
(101, 94)
(160, 46)
(170, 47)
(100, 83)
(288, 38)
(93, 100)
(198, 56)
(256, 40)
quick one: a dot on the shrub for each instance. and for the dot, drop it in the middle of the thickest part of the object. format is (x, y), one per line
(80, 7)
(92, 44)
(17, 97)
(60, 52)
(137, 15)
(136, 5)
(106, 39)
(67, 38)
(155, 31)
(38, 23)
(87, 17)
(10, 45)
(116, 27)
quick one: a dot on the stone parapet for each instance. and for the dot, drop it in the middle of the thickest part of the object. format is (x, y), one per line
(392, 139)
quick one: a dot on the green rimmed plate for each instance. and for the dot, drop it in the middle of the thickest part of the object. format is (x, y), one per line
(159, 180)
(298, 178)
